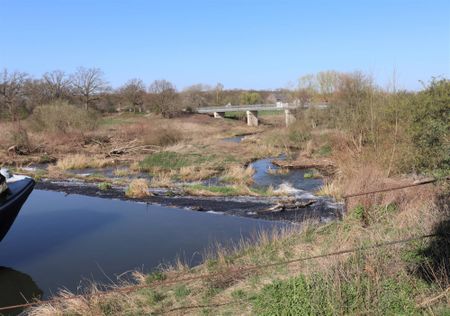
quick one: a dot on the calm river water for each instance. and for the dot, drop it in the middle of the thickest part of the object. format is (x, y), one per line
(59, 240)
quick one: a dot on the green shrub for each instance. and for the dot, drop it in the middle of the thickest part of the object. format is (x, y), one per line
(298, 137)
(430, 126)
(62, 117)
(358, 212)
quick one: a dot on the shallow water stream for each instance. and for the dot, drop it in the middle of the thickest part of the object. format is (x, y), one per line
(294, 177)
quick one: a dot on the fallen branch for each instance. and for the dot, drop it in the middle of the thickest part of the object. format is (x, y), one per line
(433, 299)
(280, 207)
(131, 148)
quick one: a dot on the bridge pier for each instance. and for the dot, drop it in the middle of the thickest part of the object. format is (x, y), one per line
(252, 118)
(289, 117)
(219, 114)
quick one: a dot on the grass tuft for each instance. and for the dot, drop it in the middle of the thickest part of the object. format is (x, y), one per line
(138, 188)
(239, 175)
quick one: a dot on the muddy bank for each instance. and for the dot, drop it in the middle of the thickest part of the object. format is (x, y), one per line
(320, 209)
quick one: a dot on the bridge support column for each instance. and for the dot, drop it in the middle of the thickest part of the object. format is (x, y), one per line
(219, 114)
(289, 117)
(252, 118)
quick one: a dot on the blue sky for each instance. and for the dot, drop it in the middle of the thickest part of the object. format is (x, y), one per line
(242, 44)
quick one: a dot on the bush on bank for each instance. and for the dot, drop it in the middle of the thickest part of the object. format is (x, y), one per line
(401, 131)
(60, 116)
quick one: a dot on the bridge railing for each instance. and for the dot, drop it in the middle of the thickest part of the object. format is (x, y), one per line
(250, 107)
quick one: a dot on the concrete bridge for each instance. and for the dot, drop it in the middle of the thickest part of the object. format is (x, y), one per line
(252, 111)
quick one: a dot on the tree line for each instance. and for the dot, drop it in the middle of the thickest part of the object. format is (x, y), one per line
(407, 130)
(87, 88)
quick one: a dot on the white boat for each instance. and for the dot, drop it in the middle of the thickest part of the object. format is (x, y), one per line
(14, 191)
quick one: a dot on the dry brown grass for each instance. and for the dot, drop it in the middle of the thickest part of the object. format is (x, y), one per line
(330, 189)
(81, 161)
(118, 131)
(123, 172)
(238, 174)
(138, 188)
(195, 173)
(96, 302)
(54, 172)
(161, 180)
(278, 171)
(5, 129)
(154, 132)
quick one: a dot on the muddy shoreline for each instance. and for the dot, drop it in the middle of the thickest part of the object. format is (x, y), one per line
(246, 206)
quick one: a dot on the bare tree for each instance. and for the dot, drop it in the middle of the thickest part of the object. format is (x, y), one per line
(57, 84)
(327, 81)
(219, 89)
(36, 94)
(132, 94)
(307, 89)
(195, 96)
(163, 97)
(88, 83)
(11, 91)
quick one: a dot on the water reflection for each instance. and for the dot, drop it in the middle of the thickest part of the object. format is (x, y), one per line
(61, 240)
(16, 288)
(235, 139)
(295, 177)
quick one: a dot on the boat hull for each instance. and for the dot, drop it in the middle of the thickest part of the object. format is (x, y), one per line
(12, 201)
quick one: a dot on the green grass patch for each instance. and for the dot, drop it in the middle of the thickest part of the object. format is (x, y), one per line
(104, 186)
(155, 276)
(321, 295)
(152, 296)
(358, 212)
(239, 294)
(226, 190)
(235, 115)
(181, 291)
(325, 151)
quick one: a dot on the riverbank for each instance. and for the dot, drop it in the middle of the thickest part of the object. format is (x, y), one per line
(397, 279)
(297, 209)
(200, 174)
(406, 277)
